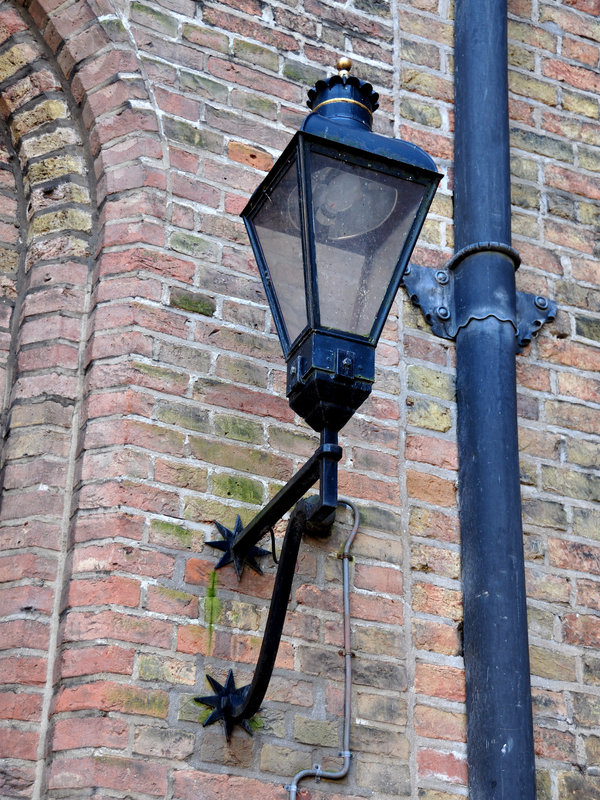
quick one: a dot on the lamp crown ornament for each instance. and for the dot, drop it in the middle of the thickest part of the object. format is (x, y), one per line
(334, 96)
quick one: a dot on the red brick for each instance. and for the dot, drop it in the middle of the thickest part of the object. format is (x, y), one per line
(438, 680)
(109, 772)
(378, 579)
(126, 402)
(574, 556)
(73, 733)
(570, 235)
(113, 590)
(426, 449)
(128, 122)
(198, 571)
(572, 181)
(69, 773)
(588, 6)
(83, 44)
(435, 723)
(92, 660)
(122, 178)
(60, 355)
(582, 629)
(431, 599)
(31, 533)
(66, 23)
(120, 315)
(108, 525)
(571, 354)
(170, 601)
(248, 28)
(355, 485)
(588, 594)
(115, 556)
(436, 637)
(431, 488)
(581, 51)
(443, 766)
(243, 76)
(127, 150)
(21, 705)
(131, 494)
(557, 745)
(90, 626)
(148, 777)
(252, 156)
(190, 784)
(18, 744)
(15, 632)
(27, 565)
(241, 399)
(25, 670)
(193, 639)
(245, 649)
(578, 77)
(14, 599)
(108, 696)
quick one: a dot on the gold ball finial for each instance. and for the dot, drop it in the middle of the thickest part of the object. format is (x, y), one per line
(344, 65)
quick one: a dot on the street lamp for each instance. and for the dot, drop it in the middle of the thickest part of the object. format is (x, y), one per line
(332, 227)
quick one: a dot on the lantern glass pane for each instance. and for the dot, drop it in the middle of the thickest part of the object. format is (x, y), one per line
(362, 218)
(277, 225)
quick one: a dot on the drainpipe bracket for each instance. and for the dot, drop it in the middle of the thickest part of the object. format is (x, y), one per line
(533, 311)
(433, 291)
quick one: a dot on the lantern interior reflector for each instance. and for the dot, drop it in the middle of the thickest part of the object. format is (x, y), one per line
(362, 218)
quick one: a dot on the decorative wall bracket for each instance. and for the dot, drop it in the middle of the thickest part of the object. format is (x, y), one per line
(315, 515)
(434, 292)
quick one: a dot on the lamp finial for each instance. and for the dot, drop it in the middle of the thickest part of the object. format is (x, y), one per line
(343, 66)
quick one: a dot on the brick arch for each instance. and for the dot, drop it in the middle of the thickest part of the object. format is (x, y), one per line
(92, 208)
(47, 229)
(68, 179)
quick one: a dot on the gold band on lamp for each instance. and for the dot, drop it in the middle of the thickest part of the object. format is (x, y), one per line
(343, 100)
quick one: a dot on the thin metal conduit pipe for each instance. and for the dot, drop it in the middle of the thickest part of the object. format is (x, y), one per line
(317, 771)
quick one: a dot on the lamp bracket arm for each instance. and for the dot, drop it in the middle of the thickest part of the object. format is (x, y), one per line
(235, 706)
(477, 283)
(321, 465)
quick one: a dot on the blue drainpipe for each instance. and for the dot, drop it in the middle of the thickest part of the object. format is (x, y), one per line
(499, 723)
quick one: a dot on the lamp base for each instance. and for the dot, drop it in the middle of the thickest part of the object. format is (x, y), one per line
(329, 376)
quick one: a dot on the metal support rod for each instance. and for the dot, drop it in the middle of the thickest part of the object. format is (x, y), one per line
(322, 464)
(499, 723)
(314, 516)
(255, 692)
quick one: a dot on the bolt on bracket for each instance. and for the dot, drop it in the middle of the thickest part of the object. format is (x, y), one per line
(433, 291)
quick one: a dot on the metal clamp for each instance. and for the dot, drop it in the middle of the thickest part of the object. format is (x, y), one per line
(434, 292)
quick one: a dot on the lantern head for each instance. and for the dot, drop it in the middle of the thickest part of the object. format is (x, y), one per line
(333, 226)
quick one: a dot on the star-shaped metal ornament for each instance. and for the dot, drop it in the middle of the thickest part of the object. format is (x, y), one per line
(226, 696)
(226, 546)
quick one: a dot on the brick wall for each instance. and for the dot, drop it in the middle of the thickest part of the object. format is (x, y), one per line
(145, 398)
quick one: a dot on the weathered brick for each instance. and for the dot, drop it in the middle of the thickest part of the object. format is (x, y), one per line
(108, 696)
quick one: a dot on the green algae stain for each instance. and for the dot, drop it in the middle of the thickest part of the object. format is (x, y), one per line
(212, 606)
